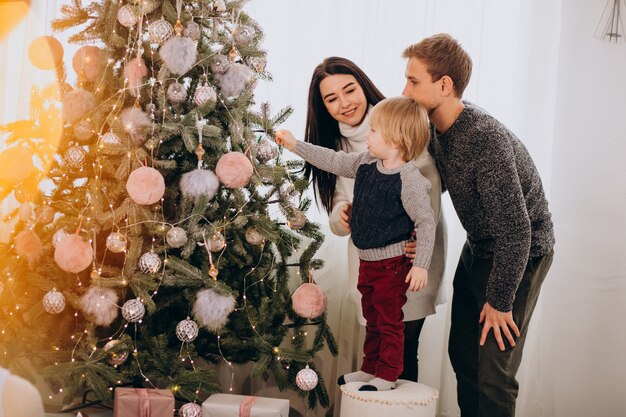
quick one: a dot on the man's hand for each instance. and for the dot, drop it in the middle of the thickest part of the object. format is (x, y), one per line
(500, 323)
(344, 216)
(417, 278)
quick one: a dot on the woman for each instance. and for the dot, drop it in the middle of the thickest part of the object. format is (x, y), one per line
(340, 98)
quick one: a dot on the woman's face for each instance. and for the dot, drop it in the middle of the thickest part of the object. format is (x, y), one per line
(344, 98)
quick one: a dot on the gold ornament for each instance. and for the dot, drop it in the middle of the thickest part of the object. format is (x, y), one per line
(213, 272)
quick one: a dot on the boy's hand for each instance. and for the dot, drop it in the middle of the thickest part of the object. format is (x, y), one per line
(286, 138)
(417, 278)
(346, 212)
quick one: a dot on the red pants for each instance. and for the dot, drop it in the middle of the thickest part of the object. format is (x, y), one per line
(383, 290)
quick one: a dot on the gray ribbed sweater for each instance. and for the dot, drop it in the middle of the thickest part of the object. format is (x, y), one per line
(388, 204)
(498, 196)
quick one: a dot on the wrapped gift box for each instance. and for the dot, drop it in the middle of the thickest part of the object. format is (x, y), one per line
(143, 402)
(229, 405)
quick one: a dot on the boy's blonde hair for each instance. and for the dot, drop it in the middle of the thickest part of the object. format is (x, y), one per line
(404, 123)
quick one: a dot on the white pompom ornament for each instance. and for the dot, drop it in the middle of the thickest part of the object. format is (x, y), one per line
(116, 355)
(306, 379)
(100, 305)
(53, 302)
(16, 164)
(309, 301)
(234, 170)
(179, 54)
(73, 254)
(190, 410)
(136, 123)
(199, 182)
(150, 263)
(145, 185)
(133, 310)
(186, 330)
(211, 309)
(86, 62)
(176, 237)
(76, 104)
(232, 77)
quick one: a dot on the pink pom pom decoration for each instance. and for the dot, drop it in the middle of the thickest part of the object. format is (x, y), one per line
(309, 301)
(234, 170)
(77, 104)
(145, 185)
(135, 70)
(86, 62)
(73, 254)
(28, 245)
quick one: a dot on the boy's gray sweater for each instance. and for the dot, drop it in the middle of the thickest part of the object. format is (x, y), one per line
(498, 196)
(388, 204)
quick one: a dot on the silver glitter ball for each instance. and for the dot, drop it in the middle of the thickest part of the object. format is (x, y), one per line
(159, 31)
(296, 219)
(53, 302)
(176, 237)
(217, 242)
(116, 357)
(190, 410)
(253, 236)
(257, 63)
(204, 94)
(126, 16)
(243, 35)
(133, 310)
(110, 138)
(306, 379)
(192, 30)
(116, 242)
(150, 263)
(265, 151)
(75, 156)
(177, 93)
(187, 330)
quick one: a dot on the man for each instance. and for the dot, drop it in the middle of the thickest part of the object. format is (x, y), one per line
(498, 196)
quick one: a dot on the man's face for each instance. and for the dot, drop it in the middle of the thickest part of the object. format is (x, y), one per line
(420, 85)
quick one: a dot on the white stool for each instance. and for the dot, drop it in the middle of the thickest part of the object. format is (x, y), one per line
(408, 399)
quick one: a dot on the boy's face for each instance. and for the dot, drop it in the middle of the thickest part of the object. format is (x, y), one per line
(377, 146)
(344, 98)
(420, 85)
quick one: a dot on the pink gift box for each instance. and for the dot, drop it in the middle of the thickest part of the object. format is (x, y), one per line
(143, 402)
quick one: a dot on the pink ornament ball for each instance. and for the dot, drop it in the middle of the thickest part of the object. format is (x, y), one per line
(86, 62)
(45, 52)
(16, 164)
(145, 186)
(73, 254)
(234, 170)
(309, 301)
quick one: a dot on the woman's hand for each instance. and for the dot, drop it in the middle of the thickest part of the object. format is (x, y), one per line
(344, 216)
(286, 138)
(409, 248)
(417, 278)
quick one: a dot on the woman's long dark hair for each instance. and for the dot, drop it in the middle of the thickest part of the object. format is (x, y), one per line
(321, 129)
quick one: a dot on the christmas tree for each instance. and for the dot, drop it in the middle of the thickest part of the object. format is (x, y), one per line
(158, 222)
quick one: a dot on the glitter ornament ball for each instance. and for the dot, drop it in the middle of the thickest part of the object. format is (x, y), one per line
(126, 16)
(306, 379)
(53, 302)
(145, 185)
(309, 301)
(265, 151)
(190, 410)
(253, 236)
(177, 93)
(187, 330)
(257, 63)
(176, 237)
(116, 242)
(217, 242)
(110, 138)
(133, 310)
(159, 31)
(58, 236)
(150, 263)
(296, 219)
(192, 30)
(205, 94)
(243, 35)
(116, 356)
(75, 156)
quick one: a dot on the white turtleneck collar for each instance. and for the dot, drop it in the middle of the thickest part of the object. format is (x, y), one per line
(357, 133)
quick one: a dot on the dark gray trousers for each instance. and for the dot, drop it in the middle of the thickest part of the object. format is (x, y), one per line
(486, 384)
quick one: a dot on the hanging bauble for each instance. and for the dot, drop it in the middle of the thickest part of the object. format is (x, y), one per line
(265, 151)
(190, 410)
(243, 35)
(257, 63)
(25, 212)
(176, 237)
(76, 104)
(136, 123)
(58, 236)
(232, 77)
(73, 254)
(53, 302)
(86, 62)
(177, 93)
(16, 164)
(309, 301)
(192, 30)
(45, 214)
(117, 356)
(45, 52)
(83, 130)
(253, 236)
(306, 379)
(145, 185)
(133, 310)
(234, 170)
(150, 263)
(110, 138)
(217, 242)
(116, 242)
(199, 182)
(134, 71)
(75, 156)
(219, 6)
(211, 309)
(296, 219)
(179, 54)
(187, 330)
(160, 31)
(25, 193)
(126, 16)
(147, 6)
(205, 94)
(29, 246)
(100, 305)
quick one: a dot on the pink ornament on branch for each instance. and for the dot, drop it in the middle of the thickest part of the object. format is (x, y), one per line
(73, 254)
(145, 186)
(28, 245)
(86, 62)
(309, 301)
(234, 170)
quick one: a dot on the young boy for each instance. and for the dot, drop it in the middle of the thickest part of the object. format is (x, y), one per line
(391, 200)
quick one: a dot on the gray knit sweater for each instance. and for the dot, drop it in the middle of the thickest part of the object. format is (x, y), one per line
(388, 204)
(498, 196)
